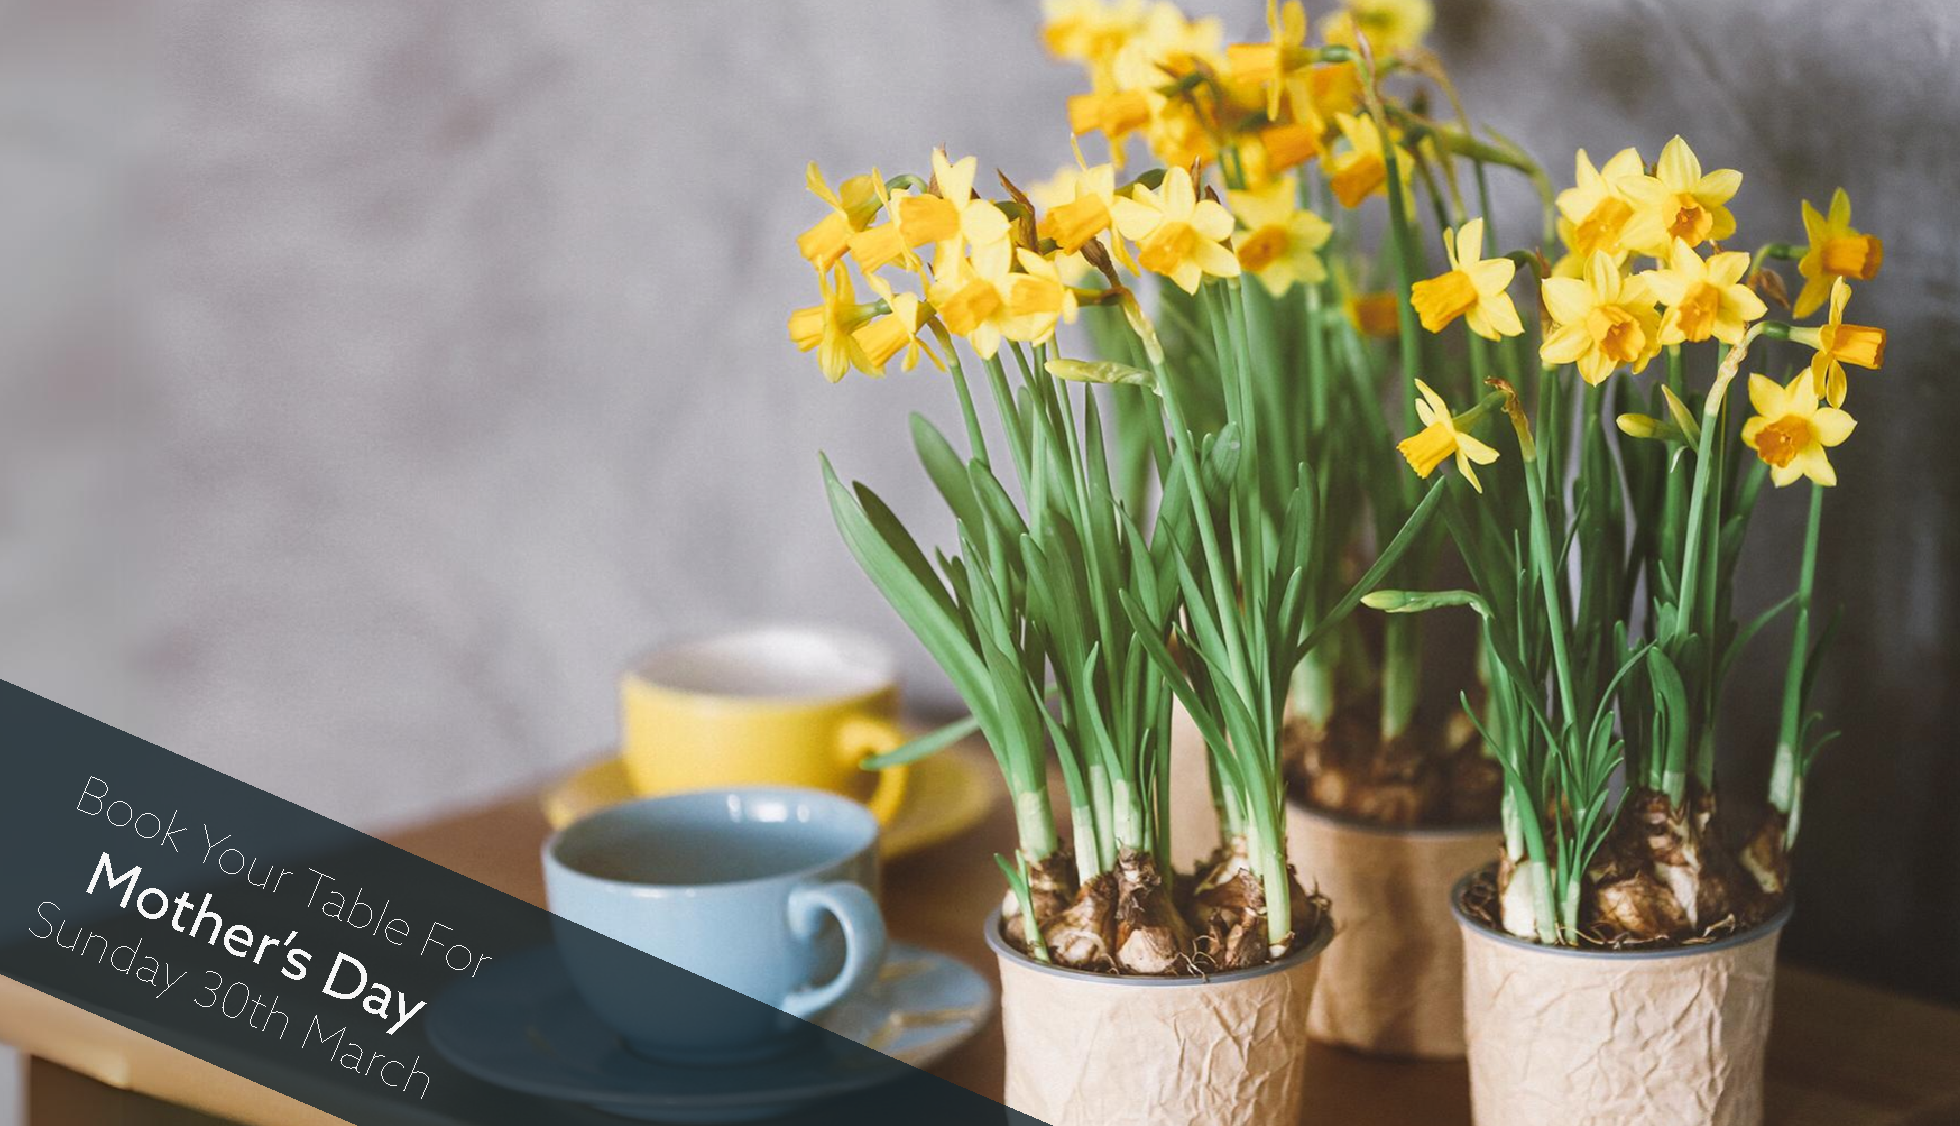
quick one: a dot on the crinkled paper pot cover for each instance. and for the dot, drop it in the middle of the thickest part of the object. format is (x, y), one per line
(1603, 1038)
(1098, 1050)
(1392, 980)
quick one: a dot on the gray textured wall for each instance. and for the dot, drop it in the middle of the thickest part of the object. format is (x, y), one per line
(380, 376)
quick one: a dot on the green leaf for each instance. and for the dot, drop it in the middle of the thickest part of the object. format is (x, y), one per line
(918, 597)
(1671, 714)
(946, 468)
(1816, 657)
(1733, 650)
(924, 746)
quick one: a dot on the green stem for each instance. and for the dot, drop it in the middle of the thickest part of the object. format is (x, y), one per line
(1544, 904)
(1401, 675)
(1544, 562)
(1187, 463)
(1785, 787)
(975, 437)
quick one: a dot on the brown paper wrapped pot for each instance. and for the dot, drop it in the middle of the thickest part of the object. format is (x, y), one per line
(1392, 981)
(1627, 1038)
(1089, 1049)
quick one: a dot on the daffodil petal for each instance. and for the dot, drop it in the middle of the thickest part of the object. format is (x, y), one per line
(1833, 425)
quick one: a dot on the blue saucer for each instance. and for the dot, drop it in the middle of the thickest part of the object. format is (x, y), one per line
(522, 1026)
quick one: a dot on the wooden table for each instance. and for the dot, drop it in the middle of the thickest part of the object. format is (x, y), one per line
(1841, 1054)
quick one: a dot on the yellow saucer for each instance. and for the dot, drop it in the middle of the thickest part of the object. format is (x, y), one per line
(947, 794)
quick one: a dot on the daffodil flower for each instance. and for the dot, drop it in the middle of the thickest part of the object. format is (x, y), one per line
(1077, 205)
(1273, 66)
(1177, 234)
(1091, 31)
(1596, 205)
(1704, 298)
(1791, 431)
(852, 205)
(1603, 320)
(1172, 43)
(1375, 314)
(880, 246)
(829, 328)
(1179, 134)
(1473, 289)
(897, 333)
(1440, 439)
(969, 292)
(1839, 344)
(1274, 149)
(1361, 169)
(1835, 251)
(980, 222)
(1679, 202)
(1281, 241)
(1392, 26)
(948, 217)
(1114, 113)
(1037, 299)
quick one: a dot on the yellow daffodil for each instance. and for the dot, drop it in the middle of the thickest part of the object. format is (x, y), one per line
(1392, 26)
(1375, 314)
(1091, 31)
(1791, 431)
(1336, 88)
(1077, 205)
(1037, 299)
(1839, 344)
(829, 328)
(1473, 289)
(1272, 150)
(969, 292)
(1114, 113)
(1177, 234)
(948, 218)
(1596, 205)
(1704, 298)
(1281, 241)
(1182, 130)
(1361, 169)
(981, 224)
(1602, 321)
(1272, 67)
(1679, 202)
(1835, 251)
(1172, 43)
(896, 333)
(880, 246)
(1440, 439)
(852, 205)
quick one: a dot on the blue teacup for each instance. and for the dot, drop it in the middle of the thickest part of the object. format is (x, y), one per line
(770, 892)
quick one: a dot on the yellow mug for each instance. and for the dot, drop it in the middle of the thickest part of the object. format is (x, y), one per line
(774, 705)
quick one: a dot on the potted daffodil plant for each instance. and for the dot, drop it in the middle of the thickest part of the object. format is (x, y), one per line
(1333, 148)
(1071, 614)
(1619, 951)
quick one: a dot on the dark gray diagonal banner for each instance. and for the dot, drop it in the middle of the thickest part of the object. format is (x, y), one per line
(315, 960)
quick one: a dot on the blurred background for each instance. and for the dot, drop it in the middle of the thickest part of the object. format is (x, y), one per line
(379, 378)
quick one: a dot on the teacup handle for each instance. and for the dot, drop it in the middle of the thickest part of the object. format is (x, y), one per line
(862, 736)
(864, 941)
